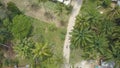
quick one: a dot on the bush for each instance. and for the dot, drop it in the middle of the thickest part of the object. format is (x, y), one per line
(21, 26)
(52, 27)
(62, 35)
(10, 62)
(69, 9)
(13, 9)
(106, 3)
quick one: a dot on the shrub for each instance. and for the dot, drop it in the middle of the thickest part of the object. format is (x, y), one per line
(52, 27)
(10, 62)
(21, 26)
(13, 9)
(106, 3)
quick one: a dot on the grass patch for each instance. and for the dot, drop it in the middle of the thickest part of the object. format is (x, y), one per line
(45, 32)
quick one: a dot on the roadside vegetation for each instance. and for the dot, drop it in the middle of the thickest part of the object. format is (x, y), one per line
(96, 34)
(25, 40)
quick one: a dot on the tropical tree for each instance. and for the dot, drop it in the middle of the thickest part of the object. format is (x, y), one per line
(114, 46)
(13, 10)
(97, 50)
(60, 9)
(114, 54)
(106, 3)
(113, 13)
(34, 52)
(81, 38)
(23, 48)
(81, 35)
(106, 27)
(21, 26)
(41, 52)
(4, 35)
(81, 21)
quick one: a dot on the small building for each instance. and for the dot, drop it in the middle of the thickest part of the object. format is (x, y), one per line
(66, 2)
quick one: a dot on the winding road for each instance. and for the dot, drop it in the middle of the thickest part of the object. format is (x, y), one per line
(66, 48)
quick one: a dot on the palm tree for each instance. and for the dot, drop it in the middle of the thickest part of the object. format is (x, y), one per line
(41, 52)
(113, 13)
(97, 49)
(81, 35)
(60, 9)
(81, 38)
(106, 27)
(114, 46)
(115, 54)
(81, 22)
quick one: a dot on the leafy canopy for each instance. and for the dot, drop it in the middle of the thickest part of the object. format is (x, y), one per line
(21, 26)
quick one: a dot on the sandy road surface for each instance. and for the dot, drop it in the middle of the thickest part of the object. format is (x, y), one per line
(66, 48)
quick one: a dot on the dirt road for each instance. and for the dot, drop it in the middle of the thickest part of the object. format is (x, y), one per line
(66, 48)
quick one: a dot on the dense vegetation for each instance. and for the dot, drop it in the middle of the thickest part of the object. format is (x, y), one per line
(96, 34)
(28, 41)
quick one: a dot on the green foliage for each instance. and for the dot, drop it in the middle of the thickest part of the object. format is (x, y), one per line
(13, 8)
(10, 62)
(1, 58)
(21, 26)
(104, 32)
(18, 27)
(1, 3)
(52, 27)
(24, 48)
(106, 27)
(4, 34)
(97, 49)
(27, 49)
(113, 13)
(41, 51)
(42, 0)
(106, 3)
(81, 38)
(3, 15)
(63, 9)
(114, 46)
(81, 35)
(7, 24)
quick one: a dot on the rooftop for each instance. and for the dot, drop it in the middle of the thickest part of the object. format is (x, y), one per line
(65, 1)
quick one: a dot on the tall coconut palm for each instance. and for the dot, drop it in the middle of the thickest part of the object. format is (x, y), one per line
(60, 9)
(97, 49)
(113, 13)
(81, 22)
(114, 46)
(81, 35)
(106, 27)
(81, 38)
(41, 52)
(115, 54)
